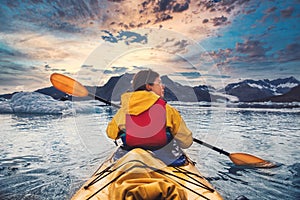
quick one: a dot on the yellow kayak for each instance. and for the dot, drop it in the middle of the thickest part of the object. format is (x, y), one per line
(138, 175)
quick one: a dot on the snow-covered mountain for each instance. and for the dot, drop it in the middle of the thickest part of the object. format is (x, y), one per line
(278, 90)
(245, 91)
(252, 90)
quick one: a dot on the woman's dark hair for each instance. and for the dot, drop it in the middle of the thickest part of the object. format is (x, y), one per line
(142, 78)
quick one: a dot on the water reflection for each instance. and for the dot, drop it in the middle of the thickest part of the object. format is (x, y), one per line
(50, 156)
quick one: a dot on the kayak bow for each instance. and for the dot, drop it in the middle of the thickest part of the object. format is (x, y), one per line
(139, 175)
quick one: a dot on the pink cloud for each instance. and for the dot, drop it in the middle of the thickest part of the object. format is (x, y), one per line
(252, 48)
(287, 12)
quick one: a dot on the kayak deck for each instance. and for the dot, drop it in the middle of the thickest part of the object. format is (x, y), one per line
(139, 175)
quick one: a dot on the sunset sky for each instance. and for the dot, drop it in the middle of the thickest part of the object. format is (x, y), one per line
(193, 42)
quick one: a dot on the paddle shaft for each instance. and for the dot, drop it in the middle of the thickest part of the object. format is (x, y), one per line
(221, 151)
(103, 100)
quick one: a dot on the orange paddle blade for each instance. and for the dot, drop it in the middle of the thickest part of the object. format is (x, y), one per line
(68, 85)
(249, 160)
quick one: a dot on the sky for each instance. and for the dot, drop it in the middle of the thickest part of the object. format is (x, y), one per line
(199, 42)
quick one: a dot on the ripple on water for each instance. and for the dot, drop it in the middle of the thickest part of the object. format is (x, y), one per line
(28, 177)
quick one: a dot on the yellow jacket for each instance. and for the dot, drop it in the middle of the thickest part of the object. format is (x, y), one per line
(134, 103)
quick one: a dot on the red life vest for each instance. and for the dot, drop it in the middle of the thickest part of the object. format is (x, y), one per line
(147, 129)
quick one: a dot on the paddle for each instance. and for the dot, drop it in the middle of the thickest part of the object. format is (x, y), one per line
(242, 159)
(73, 87)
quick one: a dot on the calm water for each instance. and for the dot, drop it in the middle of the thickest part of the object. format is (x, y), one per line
(50, 156)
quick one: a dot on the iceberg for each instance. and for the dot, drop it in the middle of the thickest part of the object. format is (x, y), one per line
(33, 102)
(38, 103)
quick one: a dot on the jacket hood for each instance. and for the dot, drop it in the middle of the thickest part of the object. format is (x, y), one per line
(134, 103)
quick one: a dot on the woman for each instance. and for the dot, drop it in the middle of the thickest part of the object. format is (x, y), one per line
(146, 121)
